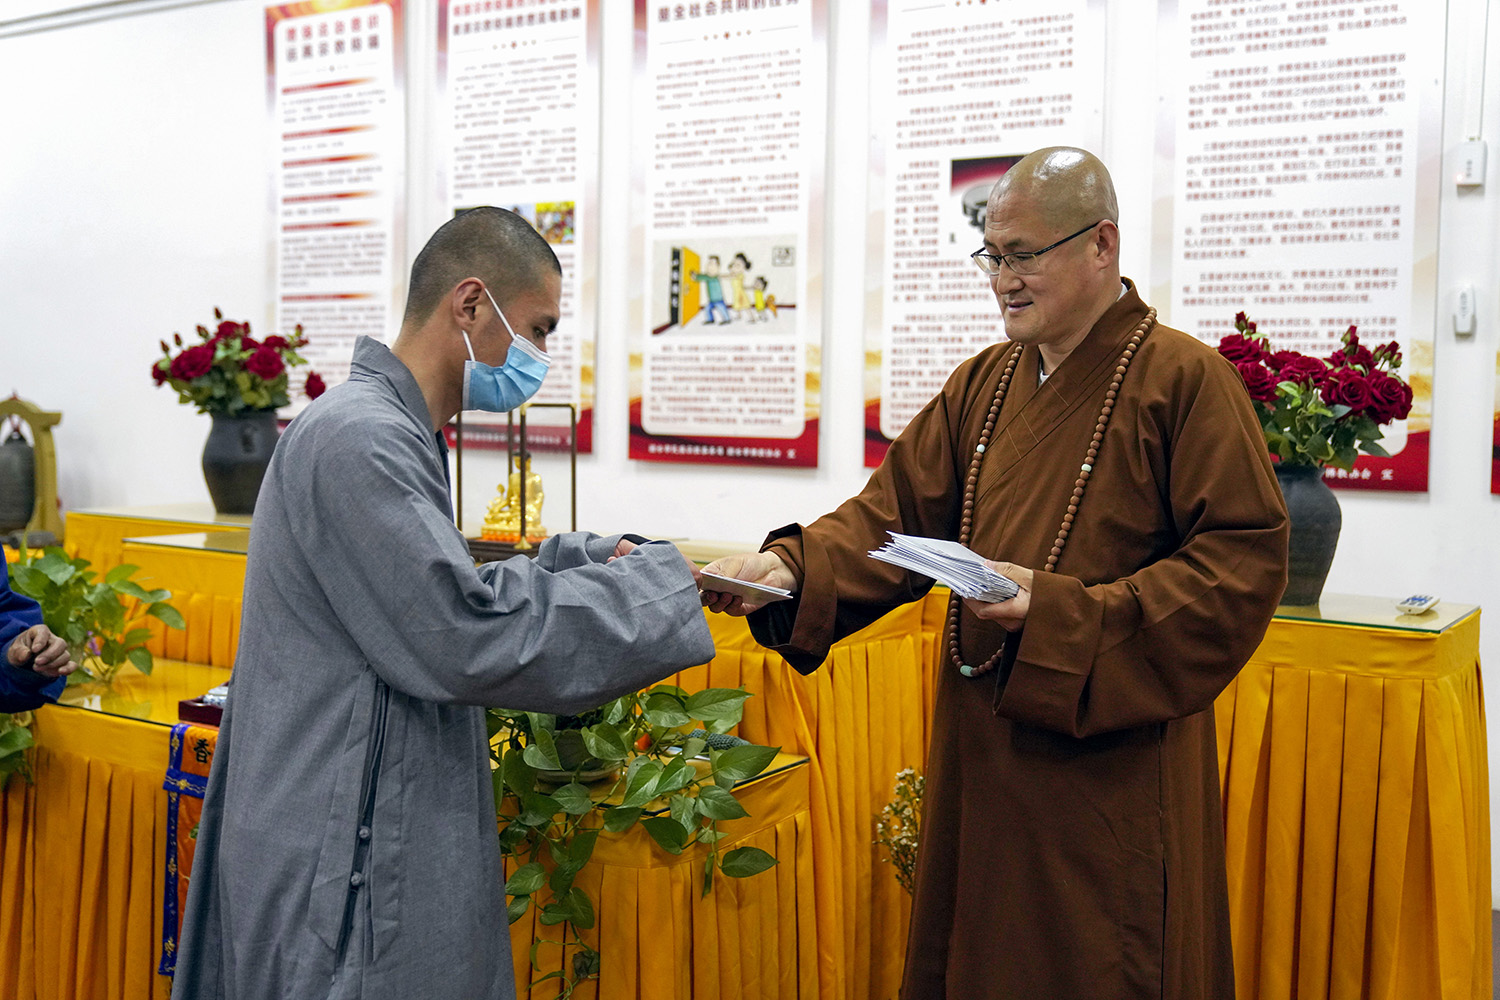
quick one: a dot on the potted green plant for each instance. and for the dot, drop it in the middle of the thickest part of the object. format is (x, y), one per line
(98, 618)
(641, 748)
(240, 383)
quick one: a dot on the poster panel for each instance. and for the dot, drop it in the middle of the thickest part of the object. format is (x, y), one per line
(336, 100)
(1298, 164)
(519, 104)
(727, 225)
(1495, 433)
(958, 93)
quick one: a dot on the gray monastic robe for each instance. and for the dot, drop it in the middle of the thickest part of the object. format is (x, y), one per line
(348, 844)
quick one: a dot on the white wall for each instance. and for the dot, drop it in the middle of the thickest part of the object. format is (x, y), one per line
(134, 198)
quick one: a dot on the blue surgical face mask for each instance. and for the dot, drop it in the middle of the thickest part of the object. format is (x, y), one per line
(502, 389)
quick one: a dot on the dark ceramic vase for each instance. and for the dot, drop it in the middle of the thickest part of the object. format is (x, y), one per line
(1316, 519)
(235, 458)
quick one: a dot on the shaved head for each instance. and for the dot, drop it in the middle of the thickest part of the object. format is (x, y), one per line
(1065, 185)
(496, 246)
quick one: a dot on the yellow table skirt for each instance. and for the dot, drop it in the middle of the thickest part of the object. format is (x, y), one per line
(1356, 803)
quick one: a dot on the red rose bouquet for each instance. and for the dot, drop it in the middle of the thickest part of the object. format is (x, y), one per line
(230, 372)
(1320, 411)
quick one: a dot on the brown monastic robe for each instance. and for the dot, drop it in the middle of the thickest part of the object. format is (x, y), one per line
(1072, 839)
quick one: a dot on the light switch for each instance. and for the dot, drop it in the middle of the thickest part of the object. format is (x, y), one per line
(1463, 311)
(1470, 163)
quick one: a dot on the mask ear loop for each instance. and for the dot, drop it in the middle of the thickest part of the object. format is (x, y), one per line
(468, 346)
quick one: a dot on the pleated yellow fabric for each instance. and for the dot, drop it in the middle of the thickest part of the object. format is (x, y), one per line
(206, 588)
(659, 938)
(80, 905)
(1356, 804)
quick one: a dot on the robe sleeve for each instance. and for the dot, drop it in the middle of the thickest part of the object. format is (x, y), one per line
(560, 633)
(1163, 642)
(20, 690)
(841, 589)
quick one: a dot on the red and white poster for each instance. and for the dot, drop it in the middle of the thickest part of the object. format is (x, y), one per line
(958, 93)
(727, 224)
(337, 111)
(519, 100)
(1298, 170)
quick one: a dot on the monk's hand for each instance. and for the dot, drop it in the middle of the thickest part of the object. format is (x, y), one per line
(764, 568)
(1009, 615)
(41, 651)
(625, 546)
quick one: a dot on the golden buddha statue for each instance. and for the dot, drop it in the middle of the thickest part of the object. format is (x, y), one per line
(502, 520)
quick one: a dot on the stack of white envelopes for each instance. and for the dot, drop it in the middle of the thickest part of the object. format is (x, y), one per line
(963, 570)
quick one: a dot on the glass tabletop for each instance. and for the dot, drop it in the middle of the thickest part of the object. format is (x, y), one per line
(1375, 612)
(153, 698)
(236, 542)
(186, 513)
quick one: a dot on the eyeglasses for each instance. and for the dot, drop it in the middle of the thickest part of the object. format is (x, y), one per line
(1019, 263)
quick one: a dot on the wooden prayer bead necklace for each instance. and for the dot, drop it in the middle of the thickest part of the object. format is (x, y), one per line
(1081, 484)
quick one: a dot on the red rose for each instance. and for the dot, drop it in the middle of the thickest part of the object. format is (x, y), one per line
(247, 342)
(1360, 355)
(1347, 387)
(265, 362)
(1301, 368)
(1239, 321)
(228, 328)
(1259, 382)
(157, 374)
(275, 342)
(1390, 398)
(315, 386)
(193, 362)
(1391, 352)
(1237, 347)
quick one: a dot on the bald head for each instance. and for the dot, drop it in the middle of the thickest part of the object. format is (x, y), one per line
(496, 246)
(1065, 185)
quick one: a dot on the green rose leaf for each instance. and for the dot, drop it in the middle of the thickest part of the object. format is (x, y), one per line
(742, 862)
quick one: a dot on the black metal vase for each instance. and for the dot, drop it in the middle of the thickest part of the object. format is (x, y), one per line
(235, 457)
(1316, 519)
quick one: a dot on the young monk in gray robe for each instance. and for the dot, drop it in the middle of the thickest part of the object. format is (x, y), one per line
(348, 844)
(1072, 841)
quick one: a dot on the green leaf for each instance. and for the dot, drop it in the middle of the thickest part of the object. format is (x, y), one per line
(667, 832)
(677, 775)
(540, 721)
(739, 764)
(666, 710)
(562, 878)
(619, 819)
(142, 660)
(685, 811)
(578, 908)
(537, 809)
(573, 799)
(119, 573)
(520, 777)
(131, 589)
(167, 615)
(708, 875)
(693, 747)
(671, 689)
(605, 742)
(642, 786)
(582, 847)
(518, 907)
(615, 711)
(136, 637)
(57, 567)
(742, 862)
(1371, 448)
(528, 879)
(717, 803)
(14, 741)
(717, 703)
(552, 914)
(29, 580)
(542, 752)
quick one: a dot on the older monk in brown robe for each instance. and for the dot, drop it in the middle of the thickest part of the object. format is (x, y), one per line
(1072, 839)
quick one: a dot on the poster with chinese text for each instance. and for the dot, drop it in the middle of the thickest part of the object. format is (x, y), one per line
(519, 99)
(958, 93)
(727, 219)
(1298, 172)
(337, 113)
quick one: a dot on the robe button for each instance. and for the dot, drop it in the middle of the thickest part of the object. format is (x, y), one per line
(364, 833)
(357, 879)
